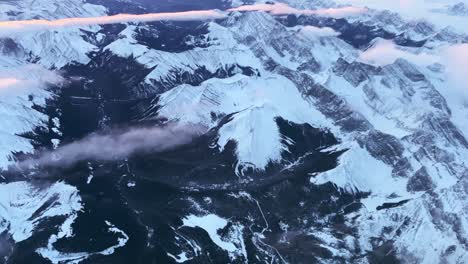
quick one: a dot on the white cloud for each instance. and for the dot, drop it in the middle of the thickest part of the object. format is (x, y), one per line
(385, 52)
(117, 144)
(406, 7)
(418, 10)
(454, 58)
(317, 32)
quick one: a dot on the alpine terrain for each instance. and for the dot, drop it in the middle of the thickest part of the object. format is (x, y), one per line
(230, 131)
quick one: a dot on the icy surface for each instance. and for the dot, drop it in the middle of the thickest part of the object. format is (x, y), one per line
(21, 87)
(56, 257)
(256, 103)
(399, 112)
(212, 224)
(20, 202)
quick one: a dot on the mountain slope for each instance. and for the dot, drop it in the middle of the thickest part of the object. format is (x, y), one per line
(316, 148)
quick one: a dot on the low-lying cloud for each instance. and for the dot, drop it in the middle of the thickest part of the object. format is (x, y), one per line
(8, 82)
(454, 59)
(317, 32)
(7, 28)
(385, 52)
(284, 9)
(117, 145)
(20, 80)
(433, 11)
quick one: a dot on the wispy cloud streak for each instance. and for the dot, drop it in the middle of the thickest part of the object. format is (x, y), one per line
(385, 52)
(454, 58)
(117, 145)
(8, 82)
(284, 9)
(8, 28)
(26, 79)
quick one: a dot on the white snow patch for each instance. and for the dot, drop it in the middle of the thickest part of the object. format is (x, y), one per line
(224, 50)
(358, 170)
(21, 86)
(181, 258)
(256, 102)
(19, 202)
(211, 223)
(56, 257)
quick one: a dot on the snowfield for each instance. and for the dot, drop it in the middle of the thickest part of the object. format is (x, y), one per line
(398, 107)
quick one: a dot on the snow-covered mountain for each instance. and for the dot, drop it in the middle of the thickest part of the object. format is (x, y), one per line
(329, 139)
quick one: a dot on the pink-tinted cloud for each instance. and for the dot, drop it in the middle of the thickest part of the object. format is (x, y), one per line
(8, 82)
(12, 87)
(340, 12)
(284, 9)
(276, 9)
(19, 80)
(455, 59)
(8, 27)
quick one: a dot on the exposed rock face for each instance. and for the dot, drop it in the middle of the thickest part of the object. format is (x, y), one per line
(420, 181)
(310, 154)
(459, 9)
(9, 47)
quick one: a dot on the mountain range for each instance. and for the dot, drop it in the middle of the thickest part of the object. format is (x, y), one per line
(312, 131)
